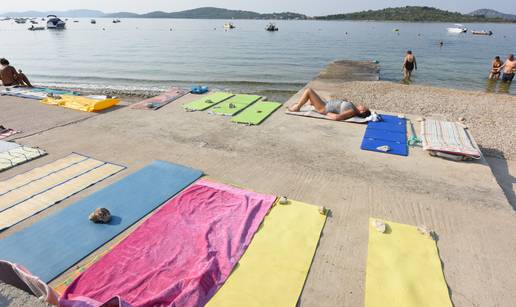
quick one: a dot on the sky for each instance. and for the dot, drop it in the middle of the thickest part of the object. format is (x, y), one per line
(308, 7)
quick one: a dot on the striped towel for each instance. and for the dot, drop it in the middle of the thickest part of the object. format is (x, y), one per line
(448, 137)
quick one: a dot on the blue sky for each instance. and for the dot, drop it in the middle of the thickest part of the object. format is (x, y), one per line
(309, 7)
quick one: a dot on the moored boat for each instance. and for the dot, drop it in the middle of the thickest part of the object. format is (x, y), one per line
(483, 32)
(93, 21)
(55, 23)
(271, 27)
(229, 25)
(458, 29)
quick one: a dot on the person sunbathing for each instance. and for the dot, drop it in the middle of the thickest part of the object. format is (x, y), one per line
(333, 109)
(9, 76)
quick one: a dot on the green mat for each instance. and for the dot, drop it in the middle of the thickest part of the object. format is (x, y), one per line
(256, 113)
(234, 105)
(207, 102)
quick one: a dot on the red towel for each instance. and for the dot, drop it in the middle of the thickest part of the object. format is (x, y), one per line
(182, 254)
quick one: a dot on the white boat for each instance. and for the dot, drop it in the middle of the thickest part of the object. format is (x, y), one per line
(229, 25)
(116, 21)
(458, 29)
(20, 20)
(55, 23)
(93, 21)
(271, 27)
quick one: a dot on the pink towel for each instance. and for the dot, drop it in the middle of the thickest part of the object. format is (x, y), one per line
(182, 254)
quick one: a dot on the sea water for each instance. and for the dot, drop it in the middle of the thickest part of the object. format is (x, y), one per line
(154, 54)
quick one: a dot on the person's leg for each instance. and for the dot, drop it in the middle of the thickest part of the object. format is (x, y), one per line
(315, 100)
(405, 74)
(24, 80)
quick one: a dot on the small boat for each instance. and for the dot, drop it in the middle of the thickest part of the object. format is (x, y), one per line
(34, 22)
(229, 25)
(116, 21)
(93, 21)
(483, 32)
(458, 29)
(76, 21)
(55, 23)
(33, 28)
(20, 20)
(271, 27)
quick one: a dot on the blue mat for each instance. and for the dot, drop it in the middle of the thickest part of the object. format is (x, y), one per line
(56, 243)
(391, 131)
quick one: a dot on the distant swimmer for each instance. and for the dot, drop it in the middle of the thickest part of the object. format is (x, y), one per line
(9, 76)
(441, 44)
(409, 64)
(509, 69)
(495, 68)
(335, 109)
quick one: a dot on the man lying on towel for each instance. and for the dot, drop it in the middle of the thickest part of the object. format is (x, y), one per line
(333, 109)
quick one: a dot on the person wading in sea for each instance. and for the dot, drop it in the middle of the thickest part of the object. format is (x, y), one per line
(409, 64)
(509, 68)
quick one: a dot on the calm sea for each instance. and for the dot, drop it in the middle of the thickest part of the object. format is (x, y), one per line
(150, 54)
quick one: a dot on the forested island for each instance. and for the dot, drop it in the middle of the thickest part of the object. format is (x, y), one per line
(417, 14)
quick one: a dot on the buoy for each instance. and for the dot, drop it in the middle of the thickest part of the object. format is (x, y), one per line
(283, 200)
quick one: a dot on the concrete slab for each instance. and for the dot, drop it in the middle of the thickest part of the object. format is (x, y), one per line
(318, 162)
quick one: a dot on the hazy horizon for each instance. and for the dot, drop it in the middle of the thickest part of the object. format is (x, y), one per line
(311, 8)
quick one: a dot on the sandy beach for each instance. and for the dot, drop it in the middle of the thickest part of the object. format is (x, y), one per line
(320, 162)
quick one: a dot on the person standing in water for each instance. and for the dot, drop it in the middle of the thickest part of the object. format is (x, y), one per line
(509, 68)
(409, 64)
(495, 69)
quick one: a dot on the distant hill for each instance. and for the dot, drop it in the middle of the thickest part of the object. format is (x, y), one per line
(70, 13)
(488, 13)
(414, 14)
(211, 13)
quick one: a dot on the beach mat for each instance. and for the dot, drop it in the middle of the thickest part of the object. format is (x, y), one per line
(234, 105)
(256, 113)
(5, 133)
(37, 93)
(86, 104)
(182, 254)
(207, 101)
(448, 137)
(391, 131)
(403, 268)
(160, 101)
(274, 268)
(32, 192)
(57, 242)
(6, 146)
(309, 111)
(19, 155)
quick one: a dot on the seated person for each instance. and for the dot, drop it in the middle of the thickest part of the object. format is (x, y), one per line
(9, 76)
(333, 109)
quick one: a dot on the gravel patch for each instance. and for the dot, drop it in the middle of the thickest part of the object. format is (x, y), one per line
(13, 297)
(491, 118)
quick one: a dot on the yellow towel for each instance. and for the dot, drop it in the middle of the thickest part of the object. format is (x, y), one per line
(81, 103)
(403, 269)
(274, 268)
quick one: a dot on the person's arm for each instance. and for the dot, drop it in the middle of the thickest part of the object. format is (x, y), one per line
(415, 63)
(342, 116)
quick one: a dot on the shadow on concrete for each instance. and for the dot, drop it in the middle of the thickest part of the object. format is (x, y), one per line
(504, 178)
